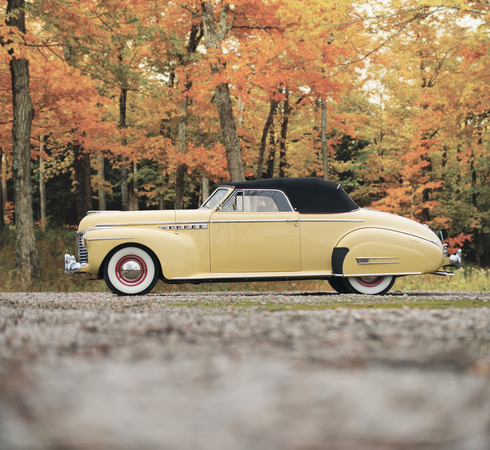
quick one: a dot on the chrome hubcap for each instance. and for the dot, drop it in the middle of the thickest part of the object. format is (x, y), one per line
(131, 270)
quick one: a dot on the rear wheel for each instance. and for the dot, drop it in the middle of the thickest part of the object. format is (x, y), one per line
(131, 271)
(338, 285)
(372, 285)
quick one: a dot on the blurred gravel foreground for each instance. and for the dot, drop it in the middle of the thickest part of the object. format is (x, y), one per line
(224, 371)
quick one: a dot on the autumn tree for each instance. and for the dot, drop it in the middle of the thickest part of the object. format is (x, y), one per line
(26, 257)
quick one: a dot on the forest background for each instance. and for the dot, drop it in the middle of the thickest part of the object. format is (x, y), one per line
(146, 104)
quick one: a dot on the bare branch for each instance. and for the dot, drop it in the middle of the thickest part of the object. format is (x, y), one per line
(405, 25)
(407, 11)
(195, 15)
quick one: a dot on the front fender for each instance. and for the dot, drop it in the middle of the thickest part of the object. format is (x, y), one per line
(376, 251)
(181, 254)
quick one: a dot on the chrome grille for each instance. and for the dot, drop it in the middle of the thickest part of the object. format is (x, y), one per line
(82, 251)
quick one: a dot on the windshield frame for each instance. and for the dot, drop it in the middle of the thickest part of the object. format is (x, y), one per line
(216, 201)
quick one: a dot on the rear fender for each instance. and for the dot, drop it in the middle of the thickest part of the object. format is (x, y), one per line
(374, 251)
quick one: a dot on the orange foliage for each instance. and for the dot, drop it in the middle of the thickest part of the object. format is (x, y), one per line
(406, 93)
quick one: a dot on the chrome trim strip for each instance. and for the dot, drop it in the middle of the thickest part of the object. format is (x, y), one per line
(401, 232)
(367, 263)
(381, 274)
(108, 239)
(253, 275)
(364, 260)
(291, 275)
(193, 226)
(254, 221)
(380, 257)
(331, 220)
(115, 225)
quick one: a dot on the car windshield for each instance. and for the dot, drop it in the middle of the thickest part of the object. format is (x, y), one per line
(214, 199)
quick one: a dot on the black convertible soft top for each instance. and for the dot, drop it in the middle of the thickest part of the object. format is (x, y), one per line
(307, 195)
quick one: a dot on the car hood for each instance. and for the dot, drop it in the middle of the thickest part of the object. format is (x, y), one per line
(142, 218)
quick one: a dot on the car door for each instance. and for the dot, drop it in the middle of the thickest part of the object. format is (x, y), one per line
(255, 231)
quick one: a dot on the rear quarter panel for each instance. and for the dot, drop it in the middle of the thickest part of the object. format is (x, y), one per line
(382, 251)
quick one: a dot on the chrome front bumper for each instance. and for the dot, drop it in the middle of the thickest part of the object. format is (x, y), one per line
(71, 264)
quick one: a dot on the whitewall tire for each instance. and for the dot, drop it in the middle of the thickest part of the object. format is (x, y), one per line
(371, 285)
(131, 271)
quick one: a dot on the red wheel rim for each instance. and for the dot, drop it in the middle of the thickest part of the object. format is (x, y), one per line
(370, 282)
(126, 281)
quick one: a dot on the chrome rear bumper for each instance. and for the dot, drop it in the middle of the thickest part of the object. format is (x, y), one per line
(457, 259)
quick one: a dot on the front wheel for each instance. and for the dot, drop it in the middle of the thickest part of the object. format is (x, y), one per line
(131, 271)
(372, 285)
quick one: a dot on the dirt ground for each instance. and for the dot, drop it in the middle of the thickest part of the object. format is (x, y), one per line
(250, 370)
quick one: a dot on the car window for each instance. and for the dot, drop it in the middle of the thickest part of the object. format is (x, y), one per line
(215, 198)
(260, 200)
(235, 203)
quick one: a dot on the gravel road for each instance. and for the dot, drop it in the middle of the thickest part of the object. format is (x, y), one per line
(249, 370)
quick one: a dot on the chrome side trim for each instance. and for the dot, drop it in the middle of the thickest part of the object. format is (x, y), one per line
(331, 220)
(255, 275)
(193, 226)
(255, 221)
(363, 260)
(297, 275)
(116, 225)
(109, 239)
(380, 274)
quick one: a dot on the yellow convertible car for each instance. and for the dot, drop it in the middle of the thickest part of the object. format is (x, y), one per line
(273, 229)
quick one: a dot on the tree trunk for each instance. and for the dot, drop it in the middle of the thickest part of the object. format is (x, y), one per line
(213, 37)
(477, 235)
(4, 197)
(42, 184)
(230, 135)
(426, 193)
(326, 174)
(181, 168)
(124, 168)
(101, 175)
(133, 189)
(26, 255)
(241, 109)
(283, 165)
(205, 188)
(194, 39)
(263, 140)
(271, 159)
(83, 181)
